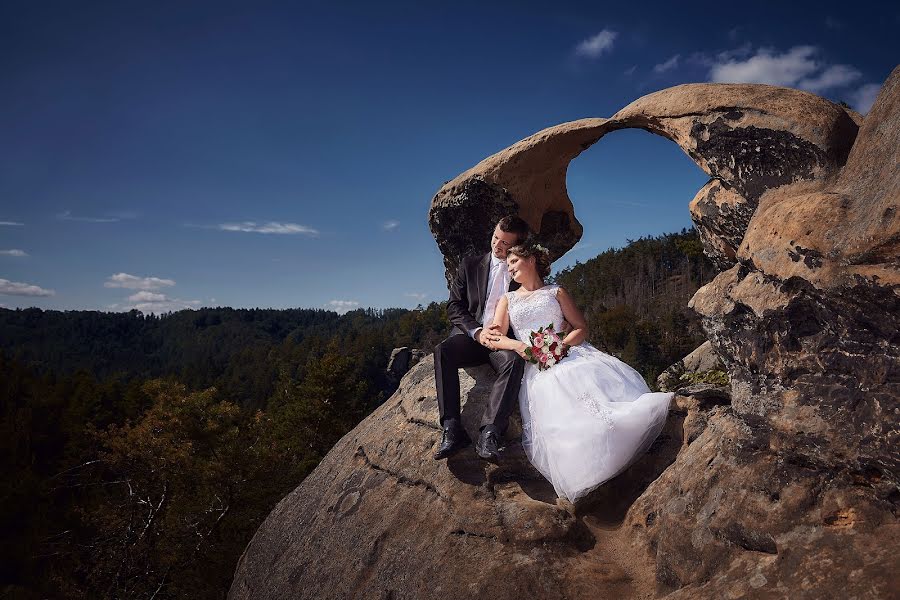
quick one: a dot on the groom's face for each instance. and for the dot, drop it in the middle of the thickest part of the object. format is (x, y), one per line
(502, 241)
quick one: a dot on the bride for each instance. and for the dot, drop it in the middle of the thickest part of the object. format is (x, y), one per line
(587, 418)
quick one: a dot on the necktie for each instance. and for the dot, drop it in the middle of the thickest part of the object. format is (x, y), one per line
(494, 294)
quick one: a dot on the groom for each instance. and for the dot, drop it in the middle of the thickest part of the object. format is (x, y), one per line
(479, 284)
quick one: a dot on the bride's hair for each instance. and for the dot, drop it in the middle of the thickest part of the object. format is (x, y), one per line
(541, 255)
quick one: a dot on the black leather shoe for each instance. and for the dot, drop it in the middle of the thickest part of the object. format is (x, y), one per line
(453, 440)
(488, 446)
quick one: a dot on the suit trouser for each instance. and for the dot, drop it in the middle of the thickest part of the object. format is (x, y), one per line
(461, 351)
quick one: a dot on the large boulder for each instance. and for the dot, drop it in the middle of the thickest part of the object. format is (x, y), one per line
(380, 518)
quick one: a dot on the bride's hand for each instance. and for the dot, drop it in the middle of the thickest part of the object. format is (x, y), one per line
(520, 350)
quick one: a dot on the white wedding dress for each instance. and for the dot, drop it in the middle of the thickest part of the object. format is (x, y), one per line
(587, 418)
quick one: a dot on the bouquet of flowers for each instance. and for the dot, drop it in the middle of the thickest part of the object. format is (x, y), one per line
(547, 348)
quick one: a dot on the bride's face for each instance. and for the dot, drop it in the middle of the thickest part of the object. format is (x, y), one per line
(520, 268)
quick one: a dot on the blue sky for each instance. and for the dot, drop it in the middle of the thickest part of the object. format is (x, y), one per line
(169, 155)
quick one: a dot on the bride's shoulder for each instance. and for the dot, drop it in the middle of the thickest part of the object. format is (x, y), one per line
(561, 293)
(555, 289)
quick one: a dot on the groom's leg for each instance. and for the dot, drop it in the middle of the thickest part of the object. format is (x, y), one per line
(457, 351)
(509, 367)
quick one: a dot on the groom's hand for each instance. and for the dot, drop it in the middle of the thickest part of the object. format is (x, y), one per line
(492, 336)
(482, 338)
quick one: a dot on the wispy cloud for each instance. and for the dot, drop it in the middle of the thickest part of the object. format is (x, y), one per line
(418, 296)
(799, 67)
(832, 77)
(67, 215)
(13, 252)
(767, 66)
(269, 227)
(630, 71)
(147, 297)
(582, 246)
(12, 223)
(342, 306)
(863, 98)
(132, 282)
(145, 300)
(596, 45)
(667, 65)
(390, 225)
(15, 288)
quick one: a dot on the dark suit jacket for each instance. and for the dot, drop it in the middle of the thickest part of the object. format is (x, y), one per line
(468, 293)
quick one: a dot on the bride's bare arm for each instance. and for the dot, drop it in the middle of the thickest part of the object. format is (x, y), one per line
(571, 313)
(500, 327)
(501, 316)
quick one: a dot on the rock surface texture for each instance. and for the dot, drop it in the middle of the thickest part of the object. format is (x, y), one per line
(789, 489)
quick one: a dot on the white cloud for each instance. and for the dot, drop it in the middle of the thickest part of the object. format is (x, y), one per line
(416, 295)
(596, 45)
(630, 71)
(342, 306)
(131, 282)
(390, 225)
(800, 67)
(66, 215)
(863, 98)
(11, 223)
(832, 77)
(13, 252)
(766, 66)
(14, 288)
(269, 227)
(145, 296)
(668, 65)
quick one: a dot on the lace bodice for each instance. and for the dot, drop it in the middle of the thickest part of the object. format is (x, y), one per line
(538, 309)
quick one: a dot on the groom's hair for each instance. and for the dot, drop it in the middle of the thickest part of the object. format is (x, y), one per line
(515, 224)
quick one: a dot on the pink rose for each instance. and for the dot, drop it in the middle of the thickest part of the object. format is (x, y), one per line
(544, 358)
(539, 340)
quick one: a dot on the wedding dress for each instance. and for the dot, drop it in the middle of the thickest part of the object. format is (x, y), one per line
(587, 418)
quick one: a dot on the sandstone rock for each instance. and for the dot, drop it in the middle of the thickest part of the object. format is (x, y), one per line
(379, 518)
(721, 216)
(750, 137)
(702, 359)
(845, 230)
(741, 515)
(401, 361)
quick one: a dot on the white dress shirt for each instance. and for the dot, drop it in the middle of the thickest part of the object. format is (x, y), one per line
(498, 293)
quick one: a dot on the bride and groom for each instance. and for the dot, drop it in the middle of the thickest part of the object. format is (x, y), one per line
(585, 419)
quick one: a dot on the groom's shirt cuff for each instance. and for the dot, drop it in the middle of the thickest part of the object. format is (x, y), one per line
(472, 333)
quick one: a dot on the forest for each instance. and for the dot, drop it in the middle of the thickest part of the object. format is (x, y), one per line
(143, 451)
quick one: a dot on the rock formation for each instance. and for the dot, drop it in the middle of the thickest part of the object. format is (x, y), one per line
(702, 360)
(748, 138)
(401, 361)
(790, 490)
